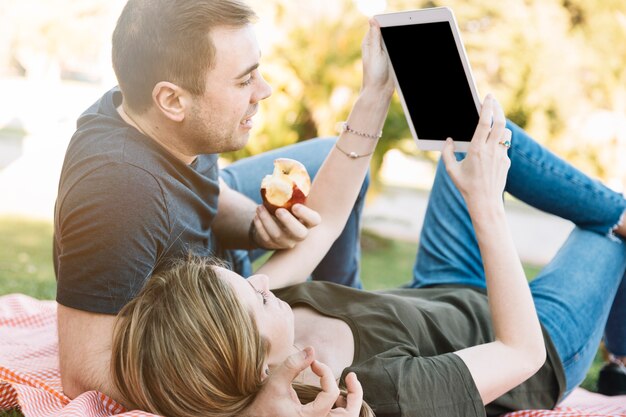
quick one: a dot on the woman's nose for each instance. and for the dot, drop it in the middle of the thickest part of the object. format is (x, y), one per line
(261, 281)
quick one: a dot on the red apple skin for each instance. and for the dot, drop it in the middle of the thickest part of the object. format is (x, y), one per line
(297, 197)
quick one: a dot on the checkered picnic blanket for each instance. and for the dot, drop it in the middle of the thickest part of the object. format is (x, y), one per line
(30, 379)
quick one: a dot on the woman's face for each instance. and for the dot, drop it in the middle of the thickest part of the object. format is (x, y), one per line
(273, 316)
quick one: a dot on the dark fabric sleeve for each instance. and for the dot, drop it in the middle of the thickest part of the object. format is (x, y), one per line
(110, 229)
(398, 383)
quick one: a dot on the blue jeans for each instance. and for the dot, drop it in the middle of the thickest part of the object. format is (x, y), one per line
(341, 263)
(581, 294)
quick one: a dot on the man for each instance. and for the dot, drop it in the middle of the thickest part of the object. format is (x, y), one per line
(140, 184)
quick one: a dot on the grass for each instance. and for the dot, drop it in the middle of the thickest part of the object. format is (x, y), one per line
(26, 258)
(26, 267)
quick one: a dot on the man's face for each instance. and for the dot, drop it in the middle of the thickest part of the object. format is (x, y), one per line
(220, 120)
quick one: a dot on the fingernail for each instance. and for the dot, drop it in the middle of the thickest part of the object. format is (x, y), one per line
(307, 352)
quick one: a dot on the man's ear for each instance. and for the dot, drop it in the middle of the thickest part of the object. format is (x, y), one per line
(172, 100)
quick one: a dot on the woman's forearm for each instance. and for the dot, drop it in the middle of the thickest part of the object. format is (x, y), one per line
(338, 181)
(518, 350)
(337, 184)
(514, 317)
(334, 191)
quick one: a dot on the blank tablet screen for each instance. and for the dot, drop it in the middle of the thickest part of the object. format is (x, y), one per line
(433, 83)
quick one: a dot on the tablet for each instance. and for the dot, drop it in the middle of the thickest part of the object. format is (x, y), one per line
(433, 76)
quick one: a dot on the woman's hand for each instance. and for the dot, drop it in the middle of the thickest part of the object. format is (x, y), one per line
(377, 73)
(278, 399)
(518, 349)
(350, 405)
(481, 176)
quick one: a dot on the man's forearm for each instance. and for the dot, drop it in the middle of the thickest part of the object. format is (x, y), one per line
(232, 222)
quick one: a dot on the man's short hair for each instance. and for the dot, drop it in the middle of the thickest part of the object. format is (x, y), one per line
(169, 40)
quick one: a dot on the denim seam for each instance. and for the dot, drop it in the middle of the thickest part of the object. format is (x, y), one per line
(574, 358)
(569, 362)
(611, 231)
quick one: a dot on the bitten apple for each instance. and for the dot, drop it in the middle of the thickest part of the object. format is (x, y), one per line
(289, 184)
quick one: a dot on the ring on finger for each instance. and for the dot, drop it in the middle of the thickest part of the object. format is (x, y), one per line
(505, 143)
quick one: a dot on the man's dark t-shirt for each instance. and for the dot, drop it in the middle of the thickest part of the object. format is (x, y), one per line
(125, 207)
(403, 344)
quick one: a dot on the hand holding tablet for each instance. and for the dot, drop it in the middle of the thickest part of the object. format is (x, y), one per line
(433, 76)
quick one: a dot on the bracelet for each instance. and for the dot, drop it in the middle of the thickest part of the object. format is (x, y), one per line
(352, 155)
(345, 127)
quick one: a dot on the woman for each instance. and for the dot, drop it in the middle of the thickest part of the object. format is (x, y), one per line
(199, 339)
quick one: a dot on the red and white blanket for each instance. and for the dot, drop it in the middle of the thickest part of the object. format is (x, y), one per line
(30, 379)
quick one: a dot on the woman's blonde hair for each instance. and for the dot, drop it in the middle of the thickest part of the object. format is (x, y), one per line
(186, 346)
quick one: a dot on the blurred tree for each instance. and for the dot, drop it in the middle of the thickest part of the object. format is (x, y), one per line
(559, 69)
(315, 71)
(552, 63)
(558, 66)
(45, 37)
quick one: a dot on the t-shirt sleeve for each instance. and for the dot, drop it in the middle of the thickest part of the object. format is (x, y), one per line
(111, 228)
(398, 383)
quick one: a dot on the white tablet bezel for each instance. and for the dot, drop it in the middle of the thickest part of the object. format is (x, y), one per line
(429, 15)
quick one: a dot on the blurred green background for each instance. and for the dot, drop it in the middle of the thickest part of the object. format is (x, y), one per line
(557, 66)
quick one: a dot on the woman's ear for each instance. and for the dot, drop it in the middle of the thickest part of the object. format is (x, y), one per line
(172, 100)
(266, 371)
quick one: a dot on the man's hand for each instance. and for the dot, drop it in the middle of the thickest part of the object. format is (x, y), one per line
(278, 399)
(284, 230)
(242, 224)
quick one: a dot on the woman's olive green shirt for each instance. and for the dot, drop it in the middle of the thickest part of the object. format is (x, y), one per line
(404, 341)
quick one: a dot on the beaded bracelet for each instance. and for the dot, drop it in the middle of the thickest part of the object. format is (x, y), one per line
(344, 127)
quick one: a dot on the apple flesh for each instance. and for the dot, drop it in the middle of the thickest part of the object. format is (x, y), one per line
(289, 184)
